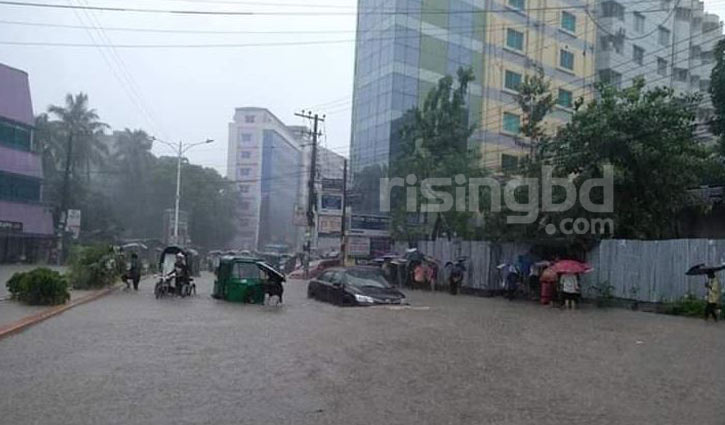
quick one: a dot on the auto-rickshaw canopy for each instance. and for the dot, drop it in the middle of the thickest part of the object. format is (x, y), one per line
(242, 279)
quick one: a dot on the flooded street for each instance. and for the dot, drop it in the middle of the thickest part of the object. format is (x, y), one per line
(131, 359)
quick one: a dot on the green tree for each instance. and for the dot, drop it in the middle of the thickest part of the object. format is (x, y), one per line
(132, 162)
(536, 101)
(76, 128)
(717, 94)
(434, 143)
(45, 138)
(647, 137)
(211, 201)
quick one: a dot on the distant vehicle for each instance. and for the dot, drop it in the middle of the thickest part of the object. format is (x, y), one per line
(246, 280)
(315, 269)
(276, 248)
(359, 285)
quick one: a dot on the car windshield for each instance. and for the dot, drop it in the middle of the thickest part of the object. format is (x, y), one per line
(362, 278)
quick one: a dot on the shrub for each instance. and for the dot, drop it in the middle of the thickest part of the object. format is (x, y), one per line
(604, 294)
(92, 267)
(39, 287)
(689, 306)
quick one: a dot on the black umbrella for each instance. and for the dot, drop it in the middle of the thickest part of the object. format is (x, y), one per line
(702, 269)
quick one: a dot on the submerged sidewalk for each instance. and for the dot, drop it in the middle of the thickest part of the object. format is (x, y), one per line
(16, 316)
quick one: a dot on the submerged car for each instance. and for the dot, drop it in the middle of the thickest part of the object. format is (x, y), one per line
(358, 285)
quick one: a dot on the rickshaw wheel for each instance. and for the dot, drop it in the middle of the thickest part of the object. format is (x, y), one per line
(157, 290)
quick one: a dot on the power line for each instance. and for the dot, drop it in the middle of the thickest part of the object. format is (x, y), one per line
(126, 79)
(591, 76)
(277, 13)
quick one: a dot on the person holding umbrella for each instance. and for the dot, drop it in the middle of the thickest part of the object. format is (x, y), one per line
(713, 296)
(712, 286)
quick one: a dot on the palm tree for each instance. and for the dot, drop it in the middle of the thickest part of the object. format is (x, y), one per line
(51, 153)
(133, 152)
(133, 160)
(78, 127)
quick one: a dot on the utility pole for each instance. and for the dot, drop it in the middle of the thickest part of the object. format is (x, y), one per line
(343, 241)
(64, 199)
(311, 182)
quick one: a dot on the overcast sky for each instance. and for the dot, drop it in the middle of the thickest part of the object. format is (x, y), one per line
(188, 93)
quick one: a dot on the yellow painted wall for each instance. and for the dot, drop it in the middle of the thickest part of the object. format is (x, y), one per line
(542, 49)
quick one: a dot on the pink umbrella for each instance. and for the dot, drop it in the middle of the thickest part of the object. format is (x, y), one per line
(571, 267)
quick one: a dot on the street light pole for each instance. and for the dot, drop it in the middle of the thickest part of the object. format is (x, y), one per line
(180, 150)
(178, 196)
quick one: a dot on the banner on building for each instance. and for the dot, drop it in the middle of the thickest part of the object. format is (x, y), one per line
(73, 223)
(370, 225)
(332, 185)
(331, 203)
(11, 226)
(358, 246)
(300, 217)
(330, 224)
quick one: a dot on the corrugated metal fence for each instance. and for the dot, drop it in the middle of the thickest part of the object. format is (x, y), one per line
(651, 271)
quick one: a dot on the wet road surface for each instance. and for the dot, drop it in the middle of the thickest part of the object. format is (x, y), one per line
(130, 359)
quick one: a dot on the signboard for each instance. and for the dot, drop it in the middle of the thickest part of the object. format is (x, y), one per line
(358, 246)
(330, 224)
(332, 185)
(73, 223)
(369, 225)
(11, 226)
(300, 217)
(331, 203)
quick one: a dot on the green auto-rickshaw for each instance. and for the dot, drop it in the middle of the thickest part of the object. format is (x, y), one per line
(242, 279)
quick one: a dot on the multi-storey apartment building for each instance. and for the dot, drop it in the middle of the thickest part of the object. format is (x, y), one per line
(26, 224)
(265, 159)
(666, 42)
(403, 49)
(402, 53)
(526, 37)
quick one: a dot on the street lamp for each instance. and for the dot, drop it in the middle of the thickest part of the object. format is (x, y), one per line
(181, 149)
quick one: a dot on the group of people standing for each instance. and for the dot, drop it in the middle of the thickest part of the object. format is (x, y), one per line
(544, 282)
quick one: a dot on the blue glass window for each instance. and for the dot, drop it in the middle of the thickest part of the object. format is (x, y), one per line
(511, 123)
(514, 39)
(14, 136)
(566, 59)
(568, 21)
(19, 188)
(516, 4)
(512, 80)
(565, 98)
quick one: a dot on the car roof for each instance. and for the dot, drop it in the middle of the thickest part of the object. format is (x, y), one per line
(239, 259)
(344, 269)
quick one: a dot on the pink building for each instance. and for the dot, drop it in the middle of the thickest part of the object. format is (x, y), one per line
(26, 224)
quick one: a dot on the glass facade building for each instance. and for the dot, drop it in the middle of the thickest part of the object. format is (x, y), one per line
(280, 185)
(404, 47)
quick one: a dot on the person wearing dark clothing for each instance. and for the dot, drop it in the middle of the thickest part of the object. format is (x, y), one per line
(181, 272)
(134, 272)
